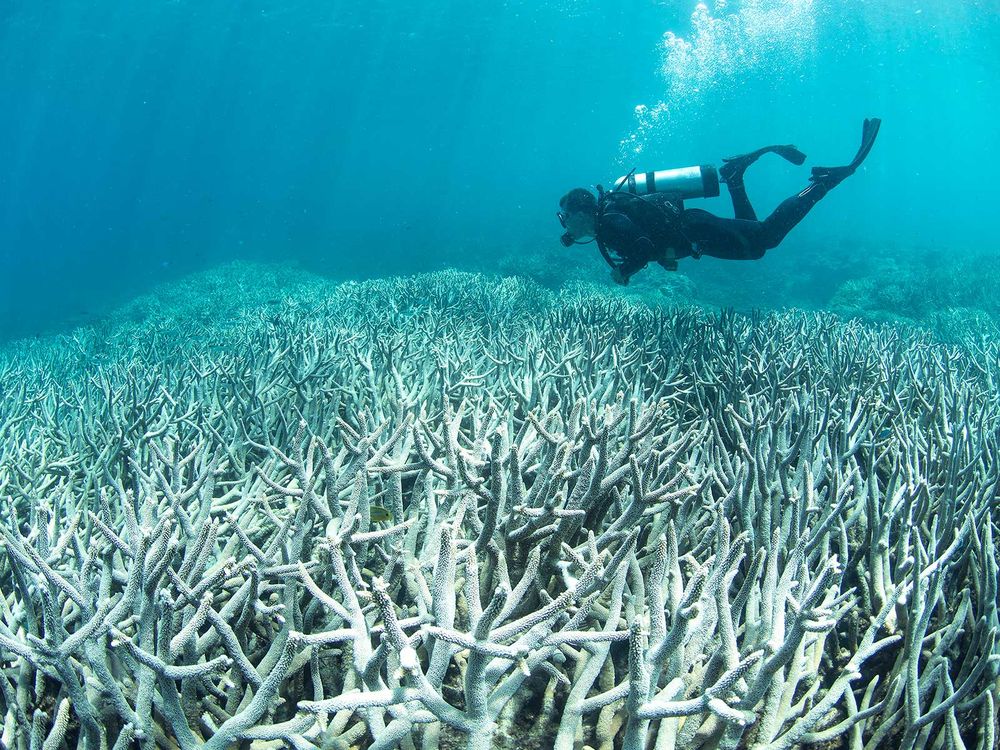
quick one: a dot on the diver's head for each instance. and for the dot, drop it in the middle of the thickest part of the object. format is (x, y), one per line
(578, 215)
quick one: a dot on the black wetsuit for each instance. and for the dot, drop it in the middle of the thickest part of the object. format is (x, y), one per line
(633, 231)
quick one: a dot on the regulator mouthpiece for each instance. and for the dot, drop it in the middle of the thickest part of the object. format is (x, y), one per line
(567, 239)
(685, 182)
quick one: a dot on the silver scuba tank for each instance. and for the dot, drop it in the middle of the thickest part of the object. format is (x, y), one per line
(684, 182)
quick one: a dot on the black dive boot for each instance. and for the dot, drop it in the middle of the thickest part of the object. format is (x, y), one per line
(830, 177)
(733, 168)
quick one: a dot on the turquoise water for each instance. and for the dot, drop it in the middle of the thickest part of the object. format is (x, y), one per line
(140, 142)
(313, 435)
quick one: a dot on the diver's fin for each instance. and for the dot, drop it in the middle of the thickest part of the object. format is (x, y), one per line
(831, 176)
(734, 166)
(789, 153)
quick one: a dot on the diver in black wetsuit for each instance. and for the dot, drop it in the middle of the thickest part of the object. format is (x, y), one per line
(632, 231)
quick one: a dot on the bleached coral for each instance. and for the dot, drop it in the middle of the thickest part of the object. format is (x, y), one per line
(451, 508)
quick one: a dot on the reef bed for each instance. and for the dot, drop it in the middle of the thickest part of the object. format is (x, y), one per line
(459, 511)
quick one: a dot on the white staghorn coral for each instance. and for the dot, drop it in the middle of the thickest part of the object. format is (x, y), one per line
(449, 508)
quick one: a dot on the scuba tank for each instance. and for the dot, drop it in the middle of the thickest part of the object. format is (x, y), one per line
(681, 183)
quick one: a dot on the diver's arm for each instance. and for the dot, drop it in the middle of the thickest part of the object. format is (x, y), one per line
(639, 255)
(629, 243)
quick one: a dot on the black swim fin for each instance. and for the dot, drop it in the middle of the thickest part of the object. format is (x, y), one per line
(832, 176)
(734, 166)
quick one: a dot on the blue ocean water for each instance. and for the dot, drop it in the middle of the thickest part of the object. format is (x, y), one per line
(143, 141)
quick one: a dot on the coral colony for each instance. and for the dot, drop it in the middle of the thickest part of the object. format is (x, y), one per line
(456, 512)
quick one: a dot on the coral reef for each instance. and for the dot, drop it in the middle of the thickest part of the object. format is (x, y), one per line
(453, 511)
(923, 288)
(581, 269)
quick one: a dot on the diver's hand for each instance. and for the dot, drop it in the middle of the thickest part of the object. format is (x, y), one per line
(618, 277)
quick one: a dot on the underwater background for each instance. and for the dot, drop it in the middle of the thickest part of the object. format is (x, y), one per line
(314, 436)
(140, 142)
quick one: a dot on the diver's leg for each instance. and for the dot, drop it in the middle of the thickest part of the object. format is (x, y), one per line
(789, 213)
(730, 239)
(741, 201)
(733, 168)
(743, 239)
(824, 179)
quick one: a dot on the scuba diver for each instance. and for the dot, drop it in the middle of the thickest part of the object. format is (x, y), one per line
(643, 218)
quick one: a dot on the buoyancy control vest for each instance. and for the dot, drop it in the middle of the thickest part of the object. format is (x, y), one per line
(657, 216)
